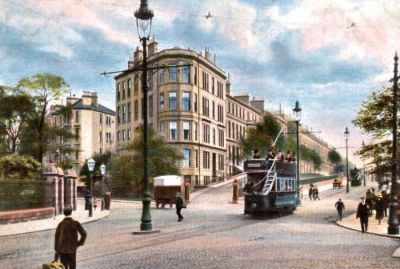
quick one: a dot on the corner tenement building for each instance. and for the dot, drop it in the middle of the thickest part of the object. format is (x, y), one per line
(191, 106)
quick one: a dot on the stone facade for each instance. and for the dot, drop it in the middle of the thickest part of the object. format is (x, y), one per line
(186, 106)
(241, 113)
(191, 107)
(92, 124)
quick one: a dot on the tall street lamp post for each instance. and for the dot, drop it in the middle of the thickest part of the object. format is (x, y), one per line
(393, 219)
(363, 145)
(57, 156)
(91, 163)
(143, 23)
(103, 173)
(346, 137)
(297, 116)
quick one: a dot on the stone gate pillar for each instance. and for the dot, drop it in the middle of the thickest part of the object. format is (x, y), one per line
(60, 191)
(70, 188)
(50, 173)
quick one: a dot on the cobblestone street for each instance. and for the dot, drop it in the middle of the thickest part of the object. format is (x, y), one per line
(215, 234)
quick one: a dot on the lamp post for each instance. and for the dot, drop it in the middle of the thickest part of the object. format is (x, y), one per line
(346, 137)
(57, 155)
(90, 163)
(297, 116)
(363, 145)
(66, 161)
(103, 172)
(393, 219)
(143, 23)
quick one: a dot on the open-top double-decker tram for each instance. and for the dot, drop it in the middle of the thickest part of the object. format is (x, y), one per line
(270, 186)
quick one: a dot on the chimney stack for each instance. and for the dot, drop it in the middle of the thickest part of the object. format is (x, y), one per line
(153, 46)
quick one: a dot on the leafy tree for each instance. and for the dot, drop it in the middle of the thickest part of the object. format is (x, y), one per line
(14, 166)
(127, 166)
(338, 168)
(55, 133)
(375, 117)
(355, 176)
(44, 88)
(315, 159)
(262, 136)
(15, 111)
(334, 157)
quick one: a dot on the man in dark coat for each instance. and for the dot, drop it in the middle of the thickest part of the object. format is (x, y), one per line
(66, 239)
(379, 210)
(339, 207)
(179, 205)
(363, 214)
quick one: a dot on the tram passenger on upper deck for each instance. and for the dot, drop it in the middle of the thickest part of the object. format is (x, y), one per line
(289, 157)
(256, 154)
(270, 155)
(281, 157)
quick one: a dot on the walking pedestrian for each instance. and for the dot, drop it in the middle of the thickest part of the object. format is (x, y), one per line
(363, 214)
(95, 203)
(385, 202)
(66, 239)
(310, 191)
(339, 207)
(368, 201)
(179, 205)
(379, 209)
(316, 193)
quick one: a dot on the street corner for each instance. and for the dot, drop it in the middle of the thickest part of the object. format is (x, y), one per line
(83, 216)
(396, 253)
(352, 223)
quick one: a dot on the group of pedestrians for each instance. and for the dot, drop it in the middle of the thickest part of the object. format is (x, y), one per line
(313, 192)
(363, 212)
(366, 206)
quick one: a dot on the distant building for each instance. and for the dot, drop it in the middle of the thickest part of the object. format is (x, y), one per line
(241, 113)
(92, 124)
(308, 139)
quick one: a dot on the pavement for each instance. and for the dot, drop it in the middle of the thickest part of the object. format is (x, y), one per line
(49, 224)
(80, 215)
(349, 222)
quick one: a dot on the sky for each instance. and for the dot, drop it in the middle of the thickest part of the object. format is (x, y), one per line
(329, 55)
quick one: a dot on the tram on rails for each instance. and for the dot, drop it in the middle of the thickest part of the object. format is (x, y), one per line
(270, 186)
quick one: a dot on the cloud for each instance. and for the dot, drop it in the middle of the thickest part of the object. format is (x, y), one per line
(363, 29)
(231, 18)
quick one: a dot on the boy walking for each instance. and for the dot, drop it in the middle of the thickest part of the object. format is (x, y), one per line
(66, 239)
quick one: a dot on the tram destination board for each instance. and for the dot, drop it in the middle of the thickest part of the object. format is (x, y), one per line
(255, 165)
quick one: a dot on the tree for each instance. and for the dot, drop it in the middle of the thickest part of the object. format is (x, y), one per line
(375, 117)
(55, 133)
(14, 115)
(127, 166)
(44, 88)
(334, 157)
(14, 166)
(262, 136)
(316, 160)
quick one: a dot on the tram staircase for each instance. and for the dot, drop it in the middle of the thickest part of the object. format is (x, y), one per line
(271, 176)
(269, 179)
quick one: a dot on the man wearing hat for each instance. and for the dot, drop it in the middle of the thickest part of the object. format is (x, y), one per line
(363, 214)
(66, 239)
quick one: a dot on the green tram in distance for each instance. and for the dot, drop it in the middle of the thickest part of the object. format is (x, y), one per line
(270, 186)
